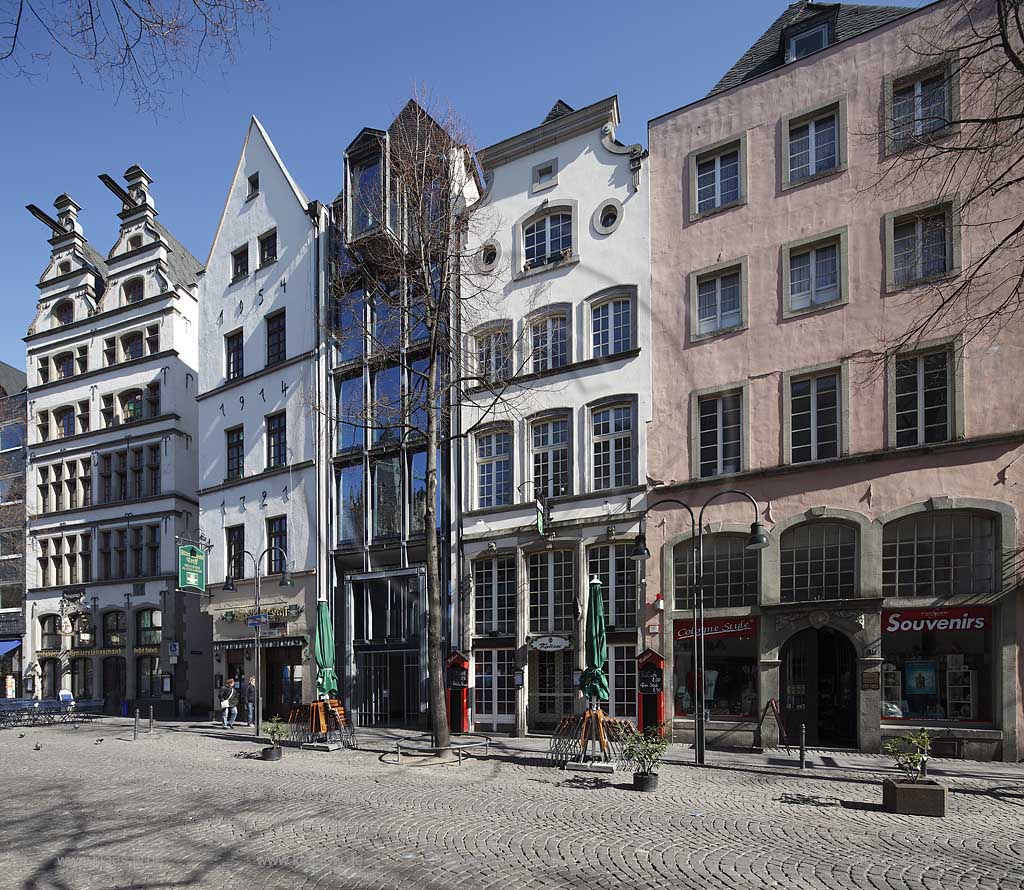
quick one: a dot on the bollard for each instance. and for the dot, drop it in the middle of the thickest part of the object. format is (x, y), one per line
(803, 746)
(398, 753)
(150, 718)
(135, 737)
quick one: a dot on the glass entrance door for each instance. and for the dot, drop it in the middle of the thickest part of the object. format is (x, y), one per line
(387, 688)
(819, 688)
(552, 695)
(494, 691)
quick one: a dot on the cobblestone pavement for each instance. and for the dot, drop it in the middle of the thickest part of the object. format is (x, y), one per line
(182, 809)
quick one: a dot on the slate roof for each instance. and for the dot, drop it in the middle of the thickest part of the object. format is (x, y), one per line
(12, 380)
(559, 109)
(180, 262)
(96, 259)
(848, 20)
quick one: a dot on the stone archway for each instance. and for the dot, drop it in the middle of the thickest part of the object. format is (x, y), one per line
(818, 686)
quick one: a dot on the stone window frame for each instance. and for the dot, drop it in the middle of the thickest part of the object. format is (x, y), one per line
(950, 205)
(595, 219)
(949, 65)
(487, 329)
(485, 268)
(493, 428)
(598, 299)
(839, 235)
(842, 368)
(709, 151)
(542, 313)
(838, 104)
(711, 529)
(546, 207)
(955, 350)
(743, 387)
(618, 400)
(538, 186)
(716, 270)
(545, 416)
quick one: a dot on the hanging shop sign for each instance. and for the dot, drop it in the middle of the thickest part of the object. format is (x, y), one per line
(735, 628)
(955, 618)
(550, 643)
(191, 567)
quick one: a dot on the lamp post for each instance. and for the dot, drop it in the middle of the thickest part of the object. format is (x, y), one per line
(758, 540)
(229, 587)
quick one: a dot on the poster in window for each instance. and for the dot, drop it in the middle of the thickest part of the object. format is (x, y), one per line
(920, 678)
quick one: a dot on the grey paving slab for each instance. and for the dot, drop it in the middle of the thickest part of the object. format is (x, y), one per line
(182, 808)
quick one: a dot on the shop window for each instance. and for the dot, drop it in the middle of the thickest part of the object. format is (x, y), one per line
(81, 678)
(148, 627)
(937, 664)
(494, 595)
(621, 668)
(729, 575)
(494, 690)
(939, 554)
(51, 677)
(730, 668)
(115, 629)
(552, 591)
(819, 562)
(617, 572)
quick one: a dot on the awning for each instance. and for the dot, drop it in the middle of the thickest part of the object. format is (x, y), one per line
(7, 646)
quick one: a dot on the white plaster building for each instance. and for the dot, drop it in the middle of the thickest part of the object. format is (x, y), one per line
(260, 420)
(112, 463)
(569, 260)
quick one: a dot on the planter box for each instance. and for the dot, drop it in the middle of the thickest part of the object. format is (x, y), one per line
(922, 798)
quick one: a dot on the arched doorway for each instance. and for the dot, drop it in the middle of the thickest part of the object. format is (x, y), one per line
(114, 686)
(819, 687)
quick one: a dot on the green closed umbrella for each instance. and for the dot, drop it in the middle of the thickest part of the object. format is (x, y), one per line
(594, 681)
(326, 677)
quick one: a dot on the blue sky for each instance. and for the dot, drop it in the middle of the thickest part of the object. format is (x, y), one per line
(325, 70)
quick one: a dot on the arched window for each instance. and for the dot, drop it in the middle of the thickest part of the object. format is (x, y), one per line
(819, 562)
(547, 239)
(134, 290)
(115, 629)
(81, 678)
(131, 406)
(82, 631)
(494, 351)
(50, 668)
(64, 313)
(729, 576)
(49, 629)
(494, 468)
(939, 554)
(549, 341)
(148, 624)
(147, 671)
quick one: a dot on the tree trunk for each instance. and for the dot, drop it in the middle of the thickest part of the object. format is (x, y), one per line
(436, 655)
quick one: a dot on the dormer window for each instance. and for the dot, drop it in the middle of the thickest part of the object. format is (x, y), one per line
(254, 185)
(807, 42)
(64, 268)
(64, 312)
(134, 290)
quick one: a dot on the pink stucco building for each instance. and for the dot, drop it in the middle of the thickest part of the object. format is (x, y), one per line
(784, 251)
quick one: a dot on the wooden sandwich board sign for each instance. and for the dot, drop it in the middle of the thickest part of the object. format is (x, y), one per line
(773, 705)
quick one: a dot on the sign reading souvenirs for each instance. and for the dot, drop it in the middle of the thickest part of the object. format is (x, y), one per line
(550, 644)
(191, 567)
(942, 620)
(737, 628)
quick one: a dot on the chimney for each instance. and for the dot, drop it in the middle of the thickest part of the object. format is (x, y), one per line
(67, 213)
(138, 181)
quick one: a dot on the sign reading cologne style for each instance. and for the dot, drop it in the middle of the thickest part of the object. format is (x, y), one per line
(737, 628)
(191, 567)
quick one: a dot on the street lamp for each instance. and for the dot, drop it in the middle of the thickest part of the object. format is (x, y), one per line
(229, 587)
(758, 540)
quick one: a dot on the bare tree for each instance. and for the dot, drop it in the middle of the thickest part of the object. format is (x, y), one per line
(138, 46)
(406, 286)
(972, 149)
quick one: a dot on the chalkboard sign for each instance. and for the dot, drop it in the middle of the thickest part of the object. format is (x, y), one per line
(649, 680)
(458, 677)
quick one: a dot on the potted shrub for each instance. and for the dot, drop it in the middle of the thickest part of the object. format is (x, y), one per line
(912, 794)
(644, 750)
(276, 730)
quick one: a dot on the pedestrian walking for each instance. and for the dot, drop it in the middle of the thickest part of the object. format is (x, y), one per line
(249, 700)
(228, 696)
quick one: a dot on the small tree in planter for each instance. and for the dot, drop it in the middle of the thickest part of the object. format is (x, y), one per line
(913, 794)
(645, 750)
(276, 730)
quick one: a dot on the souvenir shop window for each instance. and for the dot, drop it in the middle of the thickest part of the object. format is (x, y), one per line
(937, 664)
(730, 674)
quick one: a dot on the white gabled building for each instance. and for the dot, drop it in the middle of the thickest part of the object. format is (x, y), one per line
(569, 260)
(112, 462)
(260, 420)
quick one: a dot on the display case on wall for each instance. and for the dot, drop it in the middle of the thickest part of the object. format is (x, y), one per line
(892, 691)
(961, 694)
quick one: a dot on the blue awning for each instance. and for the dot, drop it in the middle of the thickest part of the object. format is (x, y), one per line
(7, 645)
